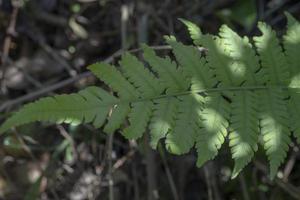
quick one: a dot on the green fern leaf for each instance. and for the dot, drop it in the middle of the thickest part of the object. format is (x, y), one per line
(117, 117)
(214, 126)
(274, 127)
(292, 46)
(274, 115)
(163, 119)
(89, 105)
(272, 58)
(225, 72)
(243, 55)
(140, 77)
(138, 118)
(294, 108)
(182, 137)
(147, 85)
(274, 123)
(114, 79)
(217, 58)
(244, 129)
(194, 31)
(194, 65)
(170, 76)
(244, 118)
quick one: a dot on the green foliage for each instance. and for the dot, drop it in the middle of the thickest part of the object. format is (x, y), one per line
(235, 89)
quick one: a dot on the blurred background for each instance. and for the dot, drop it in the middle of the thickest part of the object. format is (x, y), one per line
(45, 46)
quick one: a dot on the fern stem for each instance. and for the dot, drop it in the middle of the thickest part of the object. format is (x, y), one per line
(205, 91)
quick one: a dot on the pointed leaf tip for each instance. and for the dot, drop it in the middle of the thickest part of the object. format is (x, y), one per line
(235, 173)
(287, 14)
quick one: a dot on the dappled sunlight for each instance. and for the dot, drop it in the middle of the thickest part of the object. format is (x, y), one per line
(69, 120)
(292, 45)
(239, 70)
(214, 116)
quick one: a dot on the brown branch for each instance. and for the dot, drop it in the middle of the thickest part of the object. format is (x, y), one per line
(10, 31)
(287, 187)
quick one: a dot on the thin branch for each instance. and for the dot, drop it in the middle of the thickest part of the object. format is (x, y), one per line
(120, 162)
(169, 175)
(244, 187)
(10, 31)
(289, 188)
(67, 136)
(110, 166)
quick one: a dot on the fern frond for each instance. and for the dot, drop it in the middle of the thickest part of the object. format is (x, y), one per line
(243, 55)
(163, 119)
(139, 76)
(274, 115)
(218, 60)
(294, 109)
(216, 56)
(138, 119)
(272, 58)
(185, 102)
(292, 46)
(183, 135)
(114, 79)
(244, 118)
(274, 127)
(89, 105)
(170, 76)
(244, 129)
(194, 31)
(193, 65)
(118, 115)
(214, 124)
